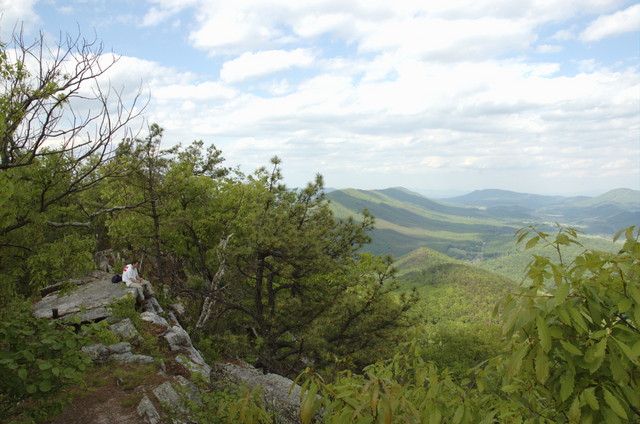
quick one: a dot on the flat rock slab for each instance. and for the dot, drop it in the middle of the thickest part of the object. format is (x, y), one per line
(88, 300)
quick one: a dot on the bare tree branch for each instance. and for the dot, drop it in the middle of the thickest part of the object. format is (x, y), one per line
(41, 89)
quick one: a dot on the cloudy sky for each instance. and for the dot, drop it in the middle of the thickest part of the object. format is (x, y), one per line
(538, 96)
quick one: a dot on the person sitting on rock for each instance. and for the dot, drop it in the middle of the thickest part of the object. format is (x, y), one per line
(132, 279)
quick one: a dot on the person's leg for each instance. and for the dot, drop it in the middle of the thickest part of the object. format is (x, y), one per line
(148, 289)
(139, 291)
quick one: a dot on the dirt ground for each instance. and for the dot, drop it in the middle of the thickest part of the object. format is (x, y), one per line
(113, 401)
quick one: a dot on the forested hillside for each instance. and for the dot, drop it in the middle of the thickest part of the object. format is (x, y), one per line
(267, 272)
(406, 221)
(480, 226)
(454, 313)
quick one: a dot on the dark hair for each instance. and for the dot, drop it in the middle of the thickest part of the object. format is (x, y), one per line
(134, 261)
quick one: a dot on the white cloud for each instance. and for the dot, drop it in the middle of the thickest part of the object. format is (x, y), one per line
(229, 30)
(370, 92)
(549, 48)
(565, 34)
(627, 20)
(196, 92)
(440, 39)
(165, 9)
(13, 14)
(155, 16)
(262, 63)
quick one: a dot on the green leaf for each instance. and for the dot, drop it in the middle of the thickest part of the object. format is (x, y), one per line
(459, 414)
(562, 239)
(596, 351)
(28, 355)
(436, 417)
(510, 388)
(45, 386)
(570, 348)
(624, 304)
(543, 333)
(516, 360)
(635, 350)
(574, 412)
(610, 417)
(578, 320)
(629, 353)
(31, 389)
(22, 373)
(614, 404)
(44, 365)
(566, 385)
(563, 314)
(542, 367)
(589, 396)
(618, 372)
(560, 294)
(532, 242)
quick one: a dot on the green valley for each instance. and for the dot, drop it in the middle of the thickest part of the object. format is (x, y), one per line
(455, 308)
(479, 227)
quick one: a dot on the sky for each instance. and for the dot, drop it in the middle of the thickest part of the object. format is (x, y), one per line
(441, 97)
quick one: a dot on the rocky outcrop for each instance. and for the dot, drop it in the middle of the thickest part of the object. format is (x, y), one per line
(278, 394)
(118, 352)
(90, 301)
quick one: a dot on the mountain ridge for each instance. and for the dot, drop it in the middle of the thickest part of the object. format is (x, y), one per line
(483, 222)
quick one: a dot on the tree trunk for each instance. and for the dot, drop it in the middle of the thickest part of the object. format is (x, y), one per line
(213, 286)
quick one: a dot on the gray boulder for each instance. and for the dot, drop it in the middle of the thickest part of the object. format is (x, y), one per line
(97, 352)
(168, 397)
(191, 358)
(122, 347)
(154, 318)
(280, 395)
(118, 352)
(151, 305)
(130, 358)
(147, 411)
(125, 330)
(88, 301)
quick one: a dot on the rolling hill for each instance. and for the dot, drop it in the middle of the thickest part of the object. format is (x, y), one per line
(481, 224)
(406, 221)
(493, 197)
(451, 290)
(603, 215)
(454, 313)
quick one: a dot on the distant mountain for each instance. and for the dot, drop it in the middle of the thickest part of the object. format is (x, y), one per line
(479, 225)
(625, 198)
(406, 221)
(604, 214)
(492, 197)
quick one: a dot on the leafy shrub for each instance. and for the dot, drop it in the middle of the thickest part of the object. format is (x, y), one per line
(571, 355)
(575, 333)
(125, 308)
(100, 332)
(37, 359)
(227, 406)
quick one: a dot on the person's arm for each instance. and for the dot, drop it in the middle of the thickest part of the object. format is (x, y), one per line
(137, 277)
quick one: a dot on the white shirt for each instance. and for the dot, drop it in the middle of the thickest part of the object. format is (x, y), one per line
(129, 275)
